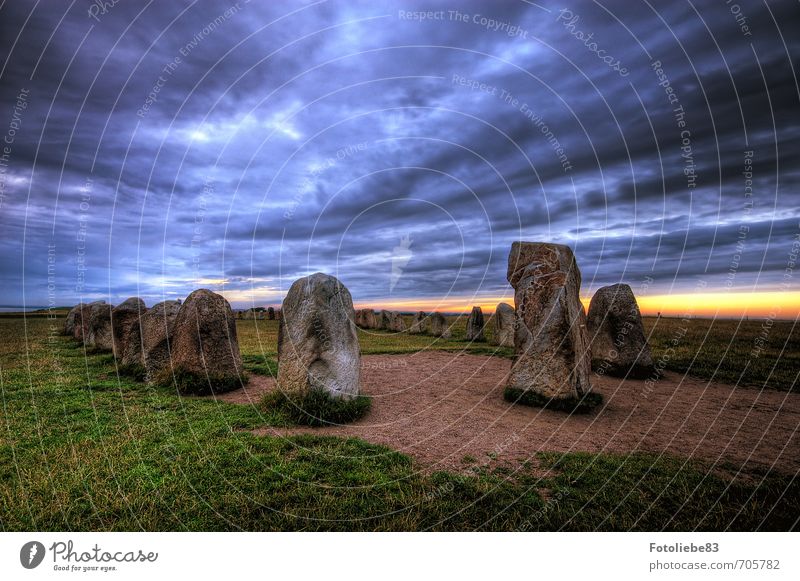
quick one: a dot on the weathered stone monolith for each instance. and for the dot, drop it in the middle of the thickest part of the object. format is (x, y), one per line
(419, 324)
(550, 341)
(503, 326)
(204, 346)
(148, 343)
(439, 326)
(123, 318)
(99, 334)
(317, 341)
(475, 325)
(619, 343)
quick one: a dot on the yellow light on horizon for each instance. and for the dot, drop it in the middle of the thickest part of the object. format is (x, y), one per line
(773, 304)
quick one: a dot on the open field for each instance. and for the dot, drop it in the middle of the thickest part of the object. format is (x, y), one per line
(82, 448)
(743, 353)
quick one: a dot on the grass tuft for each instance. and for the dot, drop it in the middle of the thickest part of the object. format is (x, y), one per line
(317, 407)
(135, 371)
(579, 405)
(189, 382)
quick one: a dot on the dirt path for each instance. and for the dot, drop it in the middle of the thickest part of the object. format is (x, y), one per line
(440, 407)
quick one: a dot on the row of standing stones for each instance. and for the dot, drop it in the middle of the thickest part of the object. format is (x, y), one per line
(190, 344)
(194, 344)
(436, 324)
(555, 343)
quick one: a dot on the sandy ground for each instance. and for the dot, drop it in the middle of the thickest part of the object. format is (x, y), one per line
(440, 407)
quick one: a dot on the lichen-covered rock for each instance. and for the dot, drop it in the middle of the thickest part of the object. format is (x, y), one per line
(361, 315)
(619, 343)
(204, 346)
(475, 325)
(148, 343)
(398, 323)
(368, 319)
(98, 333)
(550, 341)
(503, 325)
(439, 326)
(419, 324)
(123, 318)
(317, 340)
(384, 320)
(81, 328)
(392, 321)
(72, 320)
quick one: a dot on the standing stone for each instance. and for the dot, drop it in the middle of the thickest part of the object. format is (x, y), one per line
(619, 343)
(81, 329)
(317, 341)
(72, 320)
(369, 319)
(98, 333)
(551, 341)
(271, 313)
(504, 316)
(419, 324)
(205, 349)
(392, 321)
(439, 327)
(475, 325)
(398, 323)
(123, 318)
(148, 342)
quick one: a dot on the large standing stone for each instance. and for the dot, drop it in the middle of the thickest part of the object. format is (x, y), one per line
(360, 318)
(148, 343)
(368, 319)
(124, 317)
(384, 320)
(551, 342)
(73, 319)
(439, 327)
(475, 325)
(398, 322)
(392, 321)
(205, 349)
(81, 328)
(503, 330)
(271, 313)
(619, 344)
(99, 333)
(318, 342)
(419, 324)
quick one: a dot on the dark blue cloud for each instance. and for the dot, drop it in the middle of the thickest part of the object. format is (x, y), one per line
(240, 145)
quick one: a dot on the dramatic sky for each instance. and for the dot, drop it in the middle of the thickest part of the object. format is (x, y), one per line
(156, 147)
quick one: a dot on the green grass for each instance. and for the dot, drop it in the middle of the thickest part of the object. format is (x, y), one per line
(83, 448)
(748, 353)
(317, 407)
(189, 382)
(736, 352)
(572, 405)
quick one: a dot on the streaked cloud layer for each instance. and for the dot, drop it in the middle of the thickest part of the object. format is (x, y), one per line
(160, 147)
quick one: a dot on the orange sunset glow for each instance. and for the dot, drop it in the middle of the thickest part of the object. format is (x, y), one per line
(772, 304)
